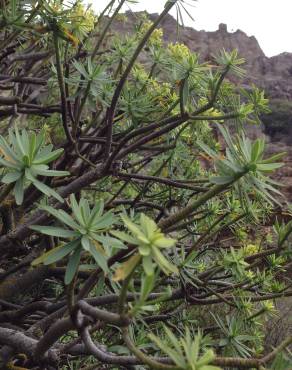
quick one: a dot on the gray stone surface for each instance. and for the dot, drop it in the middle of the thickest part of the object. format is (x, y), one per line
(273, 74)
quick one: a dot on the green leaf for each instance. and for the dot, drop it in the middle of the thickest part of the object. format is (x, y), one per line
(44, 158)
(29, 174)
(143, 239)
(108, 241)
(148, 225)
(174, 341)
(25, 161)
(178, 360)
(132, 227)
(221, 180)
(40, 139)
(9, 164)
(15, 146)
(62, 216)
(225, 133)
(51, 173)
(255, 150)
(163, 263)
(185, 92)
(7, 151)
(268, 167)
(61, 252)
(206, 149)
(233, 166)
(72, 266)
(104, 221)
(148, 265)
(124, 236)
(85, 210)
(274, 158)
(44, 256)
(76, 210)
(85, 242)
(147, 286)
(144, 249)
(190, 257)
(54, 231)
(99, 258)
(25, 142)
(163, 242)
(11, 177)
(19, 191)
(96, 212)
(80, 68)
(32, 147)
(19, 142)
(206, 358)
(47, 190)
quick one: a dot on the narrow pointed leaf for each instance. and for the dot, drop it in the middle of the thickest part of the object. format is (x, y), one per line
(72, 266)
(11, 177)
(54, 231)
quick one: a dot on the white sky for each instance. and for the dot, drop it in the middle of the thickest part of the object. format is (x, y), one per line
(268, 20)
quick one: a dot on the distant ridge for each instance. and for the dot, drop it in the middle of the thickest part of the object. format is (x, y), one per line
(273, 74)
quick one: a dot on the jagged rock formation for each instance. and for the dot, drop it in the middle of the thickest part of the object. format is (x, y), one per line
(273, 74)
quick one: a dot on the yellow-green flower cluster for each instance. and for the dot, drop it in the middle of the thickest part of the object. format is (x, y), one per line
(156, 36)
(213, 112)
(251, 249)
(139, 73)
(269, 307)
(178, 51)
(193, 132)
(83, 19)
(249, 274)
(160, 91)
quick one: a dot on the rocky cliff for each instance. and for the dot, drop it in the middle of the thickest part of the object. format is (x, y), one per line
(273, 74)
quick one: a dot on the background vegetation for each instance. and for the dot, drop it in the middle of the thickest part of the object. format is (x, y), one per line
(140, 227)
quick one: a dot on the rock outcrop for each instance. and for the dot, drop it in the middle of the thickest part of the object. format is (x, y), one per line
(273, 74)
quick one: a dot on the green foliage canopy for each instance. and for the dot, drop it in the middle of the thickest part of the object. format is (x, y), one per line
(162, 221)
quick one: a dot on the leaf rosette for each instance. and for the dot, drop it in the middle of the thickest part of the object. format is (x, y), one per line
(149, 240)
(87, 231)
(25, 157)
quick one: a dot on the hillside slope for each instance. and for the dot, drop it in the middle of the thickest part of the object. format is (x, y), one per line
(274, 75)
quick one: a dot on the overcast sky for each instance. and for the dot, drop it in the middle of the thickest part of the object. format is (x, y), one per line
(268, 20)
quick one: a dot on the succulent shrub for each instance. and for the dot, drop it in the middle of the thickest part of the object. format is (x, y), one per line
(86, 230)
(24, 157)
(185, 351)
(171, 235)
(149, 241)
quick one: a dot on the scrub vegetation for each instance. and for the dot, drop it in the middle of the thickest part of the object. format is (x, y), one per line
(140, 226)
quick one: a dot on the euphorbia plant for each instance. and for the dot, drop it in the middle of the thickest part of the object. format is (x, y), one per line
(86, 230)
(150, 238)
(186, 351)
(25, 156)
